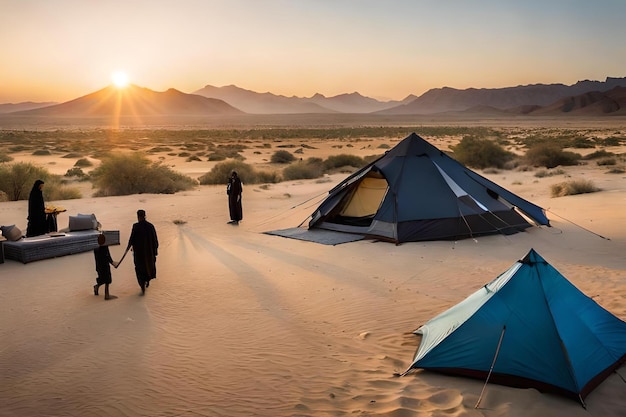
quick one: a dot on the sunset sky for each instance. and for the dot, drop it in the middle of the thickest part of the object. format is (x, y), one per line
(58, 50)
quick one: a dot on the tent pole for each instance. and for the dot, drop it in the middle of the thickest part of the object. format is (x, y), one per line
(493, 363)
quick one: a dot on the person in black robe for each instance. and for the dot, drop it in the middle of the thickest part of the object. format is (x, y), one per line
(103, 260)
(234, 190)
(145, 245)
(37, 223)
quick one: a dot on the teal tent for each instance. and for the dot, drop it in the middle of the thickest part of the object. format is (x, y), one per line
(533, 326)
(416, 192)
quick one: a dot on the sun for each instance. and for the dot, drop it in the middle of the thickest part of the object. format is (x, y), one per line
(120, 79)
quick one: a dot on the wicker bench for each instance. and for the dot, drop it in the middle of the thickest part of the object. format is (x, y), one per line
(53, 245)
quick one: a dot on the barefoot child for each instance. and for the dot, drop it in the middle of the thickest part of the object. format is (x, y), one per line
(103, 259)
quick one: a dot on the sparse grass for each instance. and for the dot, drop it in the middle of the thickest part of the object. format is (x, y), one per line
(179, 222)
(572, 188)
(5, 158)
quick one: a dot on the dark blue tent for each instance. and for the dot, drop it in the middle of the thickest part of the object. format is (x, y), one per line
(533, 326)
(416, 192)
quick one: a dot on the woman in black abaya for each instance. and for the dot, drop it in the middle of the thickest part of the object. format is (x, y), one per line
(37, 224)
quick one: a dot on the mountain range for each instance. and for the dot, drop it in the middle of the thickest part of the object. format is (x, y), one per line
(585, 98)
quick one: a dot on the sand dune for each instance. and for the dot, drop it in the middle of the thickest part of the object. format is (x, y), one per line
(241, 323)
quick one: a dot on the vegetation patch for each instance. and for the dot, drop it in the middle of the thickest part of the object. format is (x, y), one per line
(125, 174)
(481, 153)
(551, 156)
(572, 188)
(282, 157)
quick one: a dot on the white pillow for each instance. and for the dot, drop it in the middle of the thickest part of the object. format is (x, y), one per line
(83, 222)
(11, 233)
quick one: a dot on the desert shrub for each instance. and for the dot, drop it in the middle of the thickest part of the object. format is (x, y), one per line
(41, 152)
(613, 141)
(17, 179)
(282, 157)
(55, 190)
(125, 174)
(343, 160)
(216, 157)
(615, 171)
(76, 172)
(548, 173)
(581, 143)
(607, 161)
(5, 158)
(599, 154)
(481, 153)
(193, 158)
(83, 162)
(309, 169)
(572, 188)
(220, 172)
(370, 158)
(267, 177)
(71, 155)
(550, 156)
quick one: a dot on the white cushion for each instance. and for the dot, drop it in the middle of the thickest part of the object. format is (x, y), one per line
(83, 222)
(11, 233)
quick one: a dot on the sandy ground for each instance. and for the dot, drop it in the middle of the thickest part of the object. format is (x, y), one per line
(241, 323)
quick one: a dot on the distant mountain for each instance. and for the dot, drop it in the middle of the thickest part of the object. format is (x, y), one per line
(450, 99)
(136, 101)
(26, 105)
(594, 103)
(268, 103)
(260, 103)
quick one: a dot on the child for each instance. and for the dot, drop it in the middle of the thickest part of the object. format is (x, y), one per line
(103, 259)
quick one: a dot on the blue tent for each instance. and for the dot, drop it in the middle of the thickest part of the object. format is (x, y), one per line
(416, 192)
(533, 326)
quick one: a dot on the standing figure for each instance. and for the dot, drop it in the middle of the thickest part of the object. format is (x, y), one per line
(234, 190)
(145, 245)
(37, 224)
(103, 260)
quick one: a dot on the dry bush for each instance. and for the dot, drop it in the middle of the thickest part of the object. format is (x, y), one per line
(125, 174)
(282, 157)
(248, 175)
(572, 188)
(481, 153)
(550, 156)
(304, 170)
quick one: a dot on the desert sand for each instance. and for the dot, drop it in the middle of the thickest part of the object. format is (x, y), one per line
(241, 323)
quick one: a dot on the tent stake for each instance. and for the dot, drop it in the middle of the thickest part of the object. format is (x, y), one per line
(493, 363)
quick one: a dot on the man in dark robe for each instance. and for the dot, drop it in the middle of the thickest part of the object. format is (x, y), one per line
(234, 190)
(145, 245)
(37, 224)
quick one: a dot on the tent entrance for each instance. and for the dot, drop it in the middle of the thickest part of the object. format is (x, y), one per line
(361, 205)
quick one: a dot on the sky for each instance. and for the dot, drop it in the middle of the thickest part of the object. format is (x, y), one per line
(59, 50)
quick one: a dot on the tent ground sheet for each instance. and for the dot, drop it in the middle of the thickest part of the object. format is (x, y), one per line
(325, 237)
